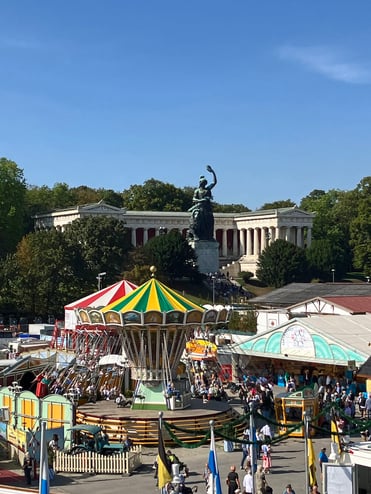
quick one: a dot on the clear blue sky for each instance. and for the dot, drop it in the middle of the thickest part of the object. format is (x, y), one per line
(276, 95)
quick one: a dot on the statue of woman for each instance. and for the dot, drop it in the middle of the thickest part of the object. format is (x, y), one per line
(202, 218)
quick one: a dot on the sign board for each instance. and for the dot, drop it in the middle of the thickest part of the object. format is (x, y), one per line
(338, 479)
(4, 414)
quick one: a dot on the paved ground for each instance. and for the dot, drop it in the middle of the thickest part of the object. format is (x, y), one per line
(288, 467)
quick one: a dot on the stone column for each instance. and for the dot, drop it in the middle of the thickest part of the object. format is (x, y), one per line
(256, 242)
(145, 236)
(299, 236)
(224, 243)
(272, 233)
(248, 241)
(242, 242)
(134, 237)
(235, 242)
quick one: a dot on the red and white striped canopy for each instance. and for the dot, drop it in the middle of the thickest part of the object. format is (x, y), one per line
(103, 297)
(97, 300)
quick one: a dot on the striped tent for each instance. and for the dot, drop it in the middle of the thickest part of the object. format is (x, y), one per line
(97, 300)
(152, 295)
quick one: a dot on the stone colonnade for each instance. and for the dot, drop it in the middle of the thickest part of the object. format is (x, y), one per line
(241, 236)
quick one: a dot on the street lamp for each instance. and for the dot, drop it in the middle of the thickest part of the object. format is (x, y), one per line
(99, 278)
(16, 390)
(333, 275)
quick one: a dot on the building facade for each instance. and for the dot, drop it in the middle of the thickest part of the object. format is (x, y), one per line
(241, 236)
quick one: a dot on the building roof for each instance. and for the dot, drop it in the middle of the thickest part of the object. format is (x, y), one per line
(365, 369)
(333, 340)
(360, 304)
(295, 293)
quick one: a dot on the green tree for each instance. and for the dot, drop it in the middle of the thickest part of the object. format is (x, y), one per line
(155, 195)
(172, 256)
(12, 205)
(284, 203)
(282, 263)
(244, 321)
(230, 208)
(43, 280)
(102, 244)
(323, 256)
(333, 213)
(360, 227)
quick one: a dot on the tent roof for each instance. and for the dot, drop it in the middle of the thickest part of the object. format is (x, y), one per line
(153, 295)
(105, 296)
(323, 339)
(295, 293)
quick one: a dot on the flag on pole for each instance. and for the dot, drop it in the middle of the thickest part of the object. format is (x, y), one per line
(335, 435)
(163, 462)
(44, 467)
(311, 463)
(214, 478)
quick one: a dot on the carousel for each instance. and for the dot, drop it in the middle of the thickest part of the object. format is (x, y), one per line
(154, 324)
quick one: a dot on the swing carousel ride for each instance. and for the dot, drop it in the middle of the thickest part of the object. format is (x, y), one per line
(154, 324)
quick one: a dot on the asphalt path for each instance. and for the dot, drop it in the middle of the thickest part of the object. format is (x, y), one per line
(288, 459)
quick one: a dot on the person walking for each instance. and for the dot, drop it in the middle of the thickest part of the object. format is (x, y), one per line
(368, 407)
(260, 482)
(322, 458)
(267, 458)
(247, 482)
(27, 468)
(288, 490)
(232, 480)
(245, 448)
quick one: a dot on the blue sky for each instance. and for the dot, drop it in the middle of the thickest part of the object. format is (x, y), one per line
(274, 94)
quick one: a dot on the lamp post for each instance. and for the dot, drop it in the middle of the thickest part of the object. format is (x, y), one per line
(16, 390)
(99, 278)
(213, 280)
(333, 275)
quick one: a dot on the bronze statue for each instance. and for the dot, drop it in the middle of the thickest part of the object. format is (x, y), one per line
(202, 218)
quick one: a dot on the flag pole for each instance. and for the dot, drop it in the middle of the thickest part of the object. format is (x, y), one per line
(44, 467)
(306, 435)
(252, 438)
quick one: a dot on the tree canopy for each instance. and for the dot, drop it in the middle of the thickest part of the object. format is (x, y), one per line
(282, 263)
(12, 205)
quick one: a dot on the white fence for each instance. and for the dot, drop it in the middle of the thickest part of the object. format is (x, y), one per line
(95, 463)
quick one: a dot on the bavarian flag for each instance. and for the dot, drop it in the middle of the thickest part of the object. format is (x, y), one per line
(163, 462)
(311, 463)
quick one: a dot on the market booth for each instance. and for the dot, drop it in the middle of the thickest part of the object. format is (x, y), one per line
(290, 407)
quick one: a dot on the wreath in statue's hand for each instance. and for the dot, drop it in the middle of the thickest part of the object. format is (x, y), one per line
(209, 169)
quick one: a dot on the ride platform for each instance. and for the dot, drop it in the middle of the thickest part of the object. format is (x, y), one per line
(142, 425)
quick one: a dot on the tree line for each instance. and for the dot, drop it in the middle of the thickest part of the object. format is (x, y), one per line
(42, 271)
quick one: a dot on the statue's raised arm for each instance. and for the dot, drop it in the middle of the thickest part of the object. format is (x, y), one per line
(210, 169)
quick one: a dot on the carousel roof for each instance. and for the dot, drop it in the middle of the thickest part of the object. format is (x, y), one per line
(104, 297)
(152, 303)
(153, 295)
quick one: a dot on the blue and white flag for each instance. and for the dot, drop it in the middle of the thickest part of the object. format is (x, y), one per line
(214, 477)
(44, 467)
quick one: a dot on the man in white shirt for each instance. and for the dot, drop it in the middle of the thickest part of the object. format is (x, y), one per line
(247, 482)
(266, 430)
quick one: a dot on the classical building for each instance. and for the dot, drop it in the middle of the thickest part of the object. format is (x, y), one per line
(241, 236)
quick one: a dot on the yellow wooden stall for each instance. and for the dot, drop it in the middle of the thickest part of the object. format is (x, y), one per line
(290, 408)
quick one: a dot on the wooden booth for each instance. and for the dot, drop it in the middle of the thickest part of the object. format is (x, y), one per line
(290, 408)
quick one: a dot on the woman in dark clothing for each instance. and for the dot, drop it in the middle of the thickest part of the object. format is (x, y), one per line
(232, 480)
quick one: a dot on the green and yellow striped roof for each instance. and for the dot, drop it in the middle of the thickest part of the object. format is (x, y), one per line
(152, 295)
